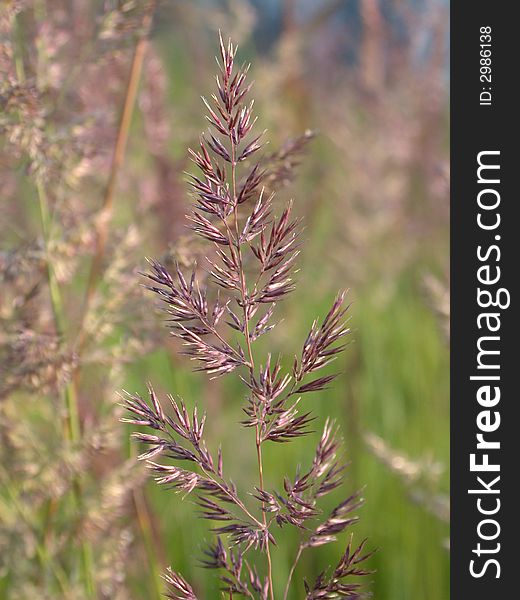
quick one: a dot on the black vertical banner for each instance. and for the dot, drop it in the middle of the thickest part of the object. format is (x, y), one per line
(485, 255)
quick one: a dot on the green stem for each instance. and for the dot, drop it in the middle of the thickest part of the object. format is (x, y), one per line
(71, 425)
(291, 572)
(73, 430)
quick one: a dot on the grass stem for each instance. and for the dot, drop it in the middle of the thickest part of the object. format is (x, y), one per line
(291, 572)
(71, 425)
(105, 213)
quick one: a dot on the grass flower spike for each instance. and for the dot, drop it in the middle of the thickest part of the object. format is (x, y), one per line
(252, 250)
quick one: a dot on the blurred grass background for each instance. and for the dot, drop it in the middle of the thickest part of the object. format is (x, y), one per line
(370, 76)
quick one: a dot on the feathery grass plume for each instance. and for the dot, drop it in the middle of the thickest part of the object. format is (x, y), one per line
(218, 320)
(64, 74)
(420, 477)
